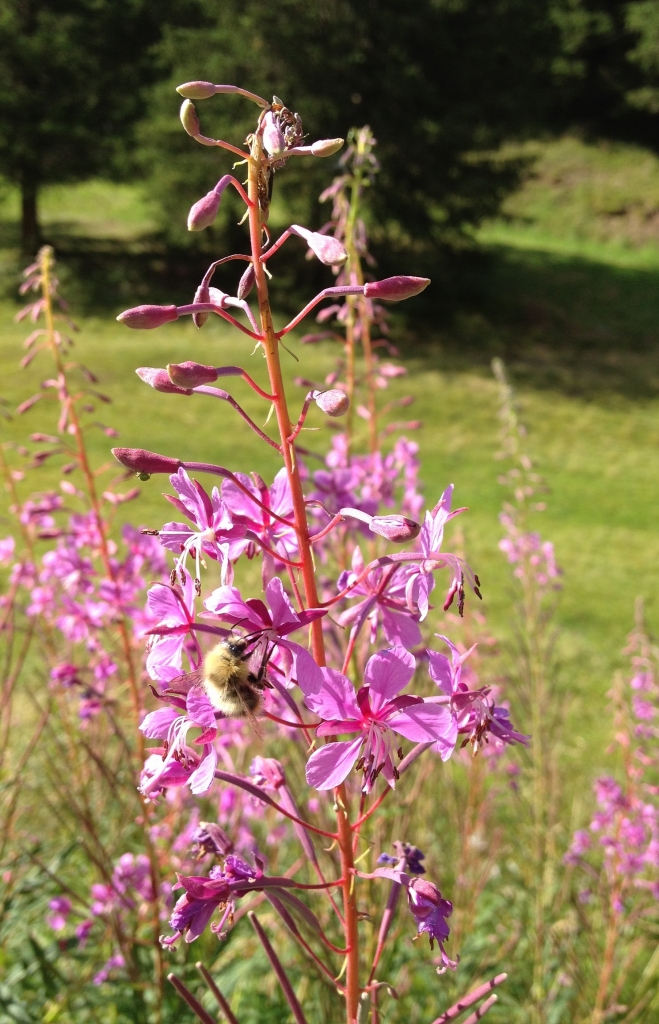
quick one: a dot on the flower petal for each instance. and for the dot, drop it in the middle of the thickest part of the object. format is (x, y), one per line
(425, 723)
(387, 672)
(202, 777)
(329, 766)
(156, 724)
(336, 699)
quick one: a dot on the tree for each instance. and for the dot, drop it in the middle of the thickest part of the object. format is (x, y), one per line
(72, 78)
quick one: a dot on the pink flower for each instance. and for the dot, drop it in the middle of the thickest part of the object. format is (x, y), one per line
(374, 712)
(245, 512)
(173, 608)
(7, 550)
(179, 764)
(60, 908)
(204, 895)
(420, 578)
(215, 535)
(384, 602)
(430, 913)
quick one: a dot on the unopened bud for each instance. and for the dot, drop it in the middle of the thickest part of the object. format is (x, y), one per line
(395, 289)
(326, 147)
(267, 772)
(333, 402)
(196, 90)
(273, 140)
(191, 374)
(246, 283)
(159, 380)
(141, 461)
(202, 294)
(204, 211)
(328, 249)
(148, 317)
(212, 838)
(397, 529)
(189, 119)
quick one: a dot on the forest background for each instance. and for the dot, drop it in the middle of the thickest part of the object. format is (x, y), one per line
(518, 147)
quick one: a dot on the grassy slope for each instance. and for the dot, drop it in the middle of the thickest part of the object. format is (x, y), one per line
(573, 310)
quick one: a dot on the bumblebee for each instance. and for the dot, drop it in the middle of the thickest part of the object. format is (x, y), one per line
(232, 687)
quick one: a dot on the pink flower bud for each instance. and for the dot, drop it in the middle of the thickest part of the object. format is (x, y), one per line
(147, 317)
(159, 380)
(141, 461)
(333, 403)
(202, 294)
(326, 147)
(394, 528)
(246, 283)
(273, 140)
(267, 772)
(189, 119)
(327, 248)
(395, 289)
(191, 374)
(196, 90)
(204, 211)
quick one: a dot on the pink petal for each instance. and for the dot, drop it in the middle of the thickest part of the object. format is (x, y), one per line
(336, 699)
(329, 766)
(308, 675)
(400, 628)
(156, 724)
(280, 606)
(387, 672)
(424, 723)
(439, 668)
(202, 777)
(200, 710)
(164, 605)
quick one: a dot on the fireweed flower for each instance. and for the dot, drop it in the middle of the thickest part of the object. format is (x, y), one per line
(204, 895)
(375, 712)
(420, 578)
(178, 764)
(476, 713)
(384, 603)
(215, 534)
(60, 908)
(270, 531)
(430, 913)
(173, 610)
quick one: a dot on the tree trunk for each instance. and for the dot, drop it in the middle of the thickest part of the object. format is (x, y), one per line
(30, 232)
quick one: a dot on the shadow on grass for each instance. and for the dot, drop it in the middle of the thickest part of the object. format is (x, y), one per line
(570, 324)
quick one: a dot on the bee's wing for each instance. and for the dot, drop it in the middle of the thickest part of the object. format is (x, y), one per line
(181, 685)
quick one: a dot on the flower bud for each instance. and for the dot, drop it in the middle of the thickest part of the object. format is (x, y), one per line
(148, 317)
(327, 248)
(211, 838)
(267, 772)
(395, 289)
(333, 402)
(141, 461)
(394, 528)
(273, 140)
(204, 211)
(196, 90)
(159, 380)
(246, 283)
(202, 294)
(189, 119)
(326, 147)
(191, 374)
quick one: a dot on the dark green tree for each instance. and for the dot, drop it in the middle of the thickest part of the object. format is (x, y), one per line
(441, 82)
(72, 76)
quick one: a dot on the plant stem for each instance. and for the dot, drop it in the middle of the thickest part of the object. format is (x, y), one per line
(352, 991)
(271, 349)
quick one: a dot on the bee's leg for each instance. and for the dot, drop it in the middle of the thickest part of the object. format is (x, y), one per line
(259, 679)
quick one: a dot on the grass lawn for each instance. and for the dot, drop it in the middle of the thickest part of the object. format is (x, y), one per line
(572, 306)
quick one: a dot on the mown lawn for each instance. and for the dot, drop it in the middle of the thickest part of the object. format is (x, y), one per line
(572, 306)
